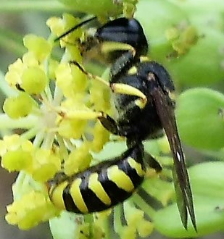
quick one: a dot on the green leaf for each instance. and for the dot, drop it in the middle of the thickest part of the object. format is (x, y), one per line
(31, 5)
(67, 222)
(208, 190)
(200, 118)
(100, 7)
(202, 64)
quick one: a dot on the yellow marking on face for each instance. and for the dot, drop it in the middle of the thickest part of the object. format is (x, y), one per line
(97, 188)
(107, 47)
(77, 196)
(137, 166)
(120, 178)
(56, 193)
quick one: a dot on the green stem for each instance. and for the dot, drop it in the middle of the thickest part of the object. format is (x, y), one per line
(62, 146)
(48, 140)
(18, 185)
(143, 205)
(20, 6)
(117, 219)
(107, 229)
(70, 145)
(23, 123)
(58, 94)
(4, 87)
(39, 139)
(89, 219)
(29, 134)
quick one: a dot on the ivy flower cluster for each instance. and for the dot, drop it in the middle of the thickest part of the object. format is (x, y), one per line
(52, 109)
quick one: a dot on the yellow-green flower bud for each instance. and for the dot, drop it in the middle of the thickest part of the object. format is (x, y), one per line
(34, 80)
(80, 80)
(78, 160)
(128, 232)
(29, 60)
(16, 160)
(14, 72)
(13, 142)
(53, 65)
(145, 228)
(70, 80)
(71, 128)
(100, 97)
(38, 46)
(133, 216)
(19, 106)
(30, 210)
(45, 165)
(16, 153)
(101, 136)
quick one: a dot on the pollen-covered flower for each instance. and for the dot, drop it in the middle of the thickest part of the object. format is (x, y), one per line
(51, 105)
(32, 208)
(55, 107)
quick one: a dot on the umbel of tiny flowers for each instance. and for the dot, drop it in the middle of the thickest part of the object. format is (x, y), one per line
(54, 107)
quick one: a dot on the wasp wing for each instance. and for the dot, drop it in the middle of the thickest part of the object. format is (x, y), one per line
(181, 180)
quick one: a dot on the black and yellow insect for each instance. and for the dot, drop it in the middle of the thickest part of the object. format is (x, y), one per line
(141, 91)
(99, 187)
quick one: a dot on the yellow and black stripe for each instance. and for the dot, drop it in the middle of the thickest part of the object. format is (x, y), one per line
(101, 186)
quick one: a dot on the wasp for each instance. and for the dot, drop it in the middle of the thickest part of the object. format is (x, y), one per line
(141, 91)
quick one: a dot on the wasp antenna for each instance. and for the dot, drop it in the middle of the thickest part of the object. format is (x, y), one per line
(74, 28)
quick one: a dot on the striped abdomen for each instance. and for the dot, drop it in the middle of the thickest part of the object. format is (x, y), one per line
(99, 187)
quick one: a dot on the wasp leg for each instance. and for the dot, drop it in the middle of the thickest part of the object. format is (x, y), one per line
(120, 88)
(125, 131)
(109, 123)
(120, 128)
(152, 162)
(115, 87)
(89, 75)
